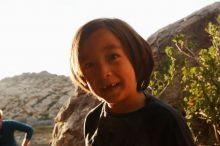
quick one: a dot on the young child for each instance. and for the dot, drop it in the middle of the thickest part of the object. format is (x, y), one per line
(113, 62)
(8, 128)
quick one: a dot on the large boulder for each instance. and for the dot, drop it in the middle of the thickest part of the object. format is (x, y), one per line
(68, 130)
(193, 26)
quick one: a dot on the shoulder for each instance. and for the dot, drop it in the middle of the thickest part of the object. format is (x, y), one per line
(96, 111)
(16, 124)
(92, 118)
(161, 118)
(10, 122)
(160, 110)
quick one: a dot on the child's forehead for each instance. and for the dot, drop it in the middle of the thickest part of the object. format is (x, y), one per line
(108, 48)
(100, 32)
(101, 38)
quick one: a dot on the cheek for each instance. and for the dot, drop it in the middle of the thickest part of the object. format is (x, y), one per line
(129, 71)
(90, 78)
(93, 89)
(91, 83)
(87, 76)
(130, 76)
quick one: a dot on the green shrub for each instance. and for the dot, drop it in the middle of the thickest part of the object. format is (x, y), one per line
(200, 83)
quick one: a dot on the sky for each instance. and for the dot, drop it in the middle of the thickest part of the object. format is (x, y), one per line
(36, 35)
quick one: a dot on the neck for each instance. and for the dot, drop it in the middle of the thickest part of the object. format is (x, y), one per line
(128, 105)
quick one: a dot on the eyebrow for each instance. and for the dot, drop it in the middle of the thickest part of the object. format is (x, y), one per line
(107, 47)
(111, 46)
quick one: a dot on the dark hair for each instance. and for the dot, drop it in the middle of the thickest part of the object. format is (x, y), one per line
(139, 51)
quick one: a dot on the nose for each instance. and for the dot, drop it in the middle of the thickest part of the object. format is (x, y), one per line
(104, 71)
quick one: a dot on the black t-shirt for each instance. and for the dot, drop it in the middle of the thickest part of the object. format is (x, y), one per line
(156, 124)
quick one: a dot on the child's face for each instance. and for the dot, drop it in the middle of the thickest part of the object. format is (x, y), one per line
(107, 70)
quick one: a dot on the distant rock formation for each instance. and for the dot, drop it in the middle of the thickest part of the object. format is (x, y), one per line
(69, 122)
(34, 98)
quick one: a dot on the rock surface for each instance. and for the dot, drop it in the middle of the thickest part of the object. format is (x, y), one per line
(68, 130)
(193, 26)
(34, 98)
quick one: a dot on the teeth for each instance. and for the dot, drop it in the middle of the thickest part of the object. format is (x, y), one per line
(113, 84)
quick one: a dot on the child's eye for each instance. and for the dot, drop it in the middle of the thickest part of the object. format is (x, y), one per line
(113, 56)
(88, 65)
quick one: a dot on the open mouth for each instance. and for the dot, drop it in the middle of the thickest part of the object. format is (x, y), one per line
(110, 86)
